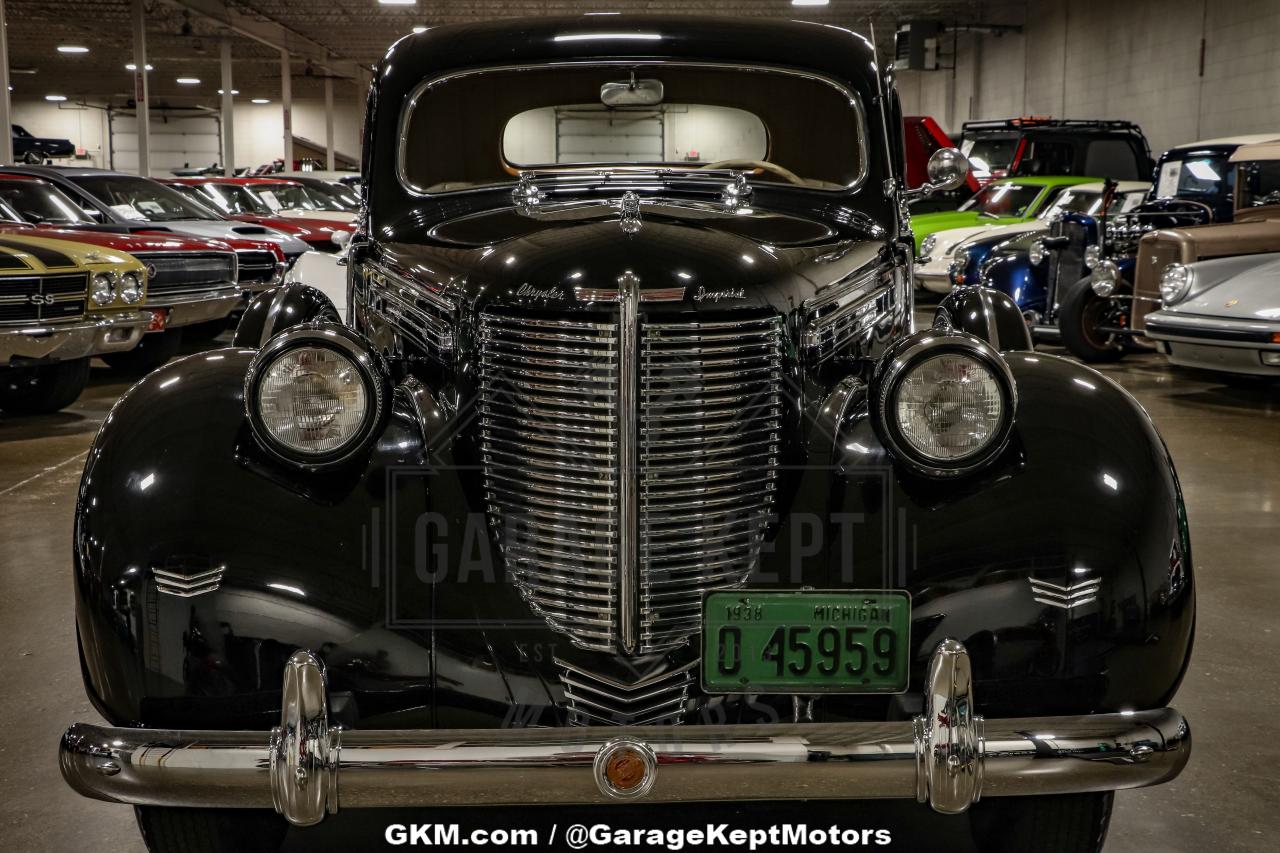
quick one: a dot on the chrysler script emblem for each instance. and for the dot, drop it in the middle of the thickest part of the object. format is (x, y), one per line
(540, 292)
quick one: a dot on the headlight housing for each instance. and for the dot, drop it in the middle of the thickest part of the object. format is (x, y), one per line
(316, 395)
(102, 289)
(1037, 253)
(1105, 277)
(1092, 257)
(927, 245)
(959, 263)
(1175, 283)
(130, 288)
(944, 403)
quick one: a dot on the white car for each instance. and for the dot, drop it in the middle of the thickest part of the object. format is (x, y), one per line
(326, 273)
(933, 267)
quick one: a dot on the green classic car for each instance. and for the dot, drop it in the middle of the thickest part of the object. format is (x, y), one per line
(1005, 201)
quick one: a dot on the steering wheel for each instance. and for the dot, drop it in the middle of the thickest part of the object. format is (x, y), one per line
(746, 165)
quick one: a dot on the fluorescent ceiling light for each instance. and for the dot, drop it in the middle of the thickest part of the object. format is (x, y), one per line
(261, 101)
(189, 81)
(233, 91)
(610, 37)
(419, 29)
(72, 48)
(398, 2)
(131, 66)
(810, 2)
(55, 97)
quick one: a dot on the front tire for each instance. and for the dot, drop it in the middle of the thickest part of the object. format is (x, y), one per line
(152, 351)
(1081, 313)
(43, 388)
(1061, 823)
(174, 830)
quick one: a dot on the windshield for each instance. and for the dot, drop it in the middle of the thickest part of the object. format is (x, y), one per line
(37, 203)
(1196, 177)
(1260, 183)
(232, 199)
(284, 197)
(139, 198)
(990, 153)
(337, 196)
(485, 127)
(1003, 199)
(1090, 202)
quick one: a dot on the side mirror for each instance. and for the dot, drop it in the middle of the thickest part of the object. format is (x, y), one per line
(340, 238)
(947, 170)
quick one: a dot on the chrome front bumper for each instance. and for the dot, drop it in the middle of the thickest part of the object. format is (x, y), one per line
(947, 757)
(186, 309)
(95, 334)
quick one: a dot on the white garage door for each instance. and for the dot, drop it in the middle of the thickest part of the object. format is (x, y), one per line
(587, 135)
(177, 140)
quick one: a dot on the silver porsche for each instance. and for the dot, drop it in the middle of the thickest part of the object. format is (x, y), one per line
(1221, 314)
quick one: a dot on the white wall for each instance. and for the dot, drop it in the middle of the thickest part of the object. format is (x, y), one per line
(258, 127)
(1138, 60)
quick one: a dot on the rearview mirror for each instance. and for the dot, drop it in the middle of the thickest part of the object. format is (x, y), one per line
(632, 93)
(947, 169)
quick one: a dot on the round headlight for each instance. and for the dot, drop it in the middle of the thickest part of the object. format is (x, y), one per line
(1175, 283)
(1092, 256)
(1105, 276)
(316, 395)
(959, 263)
(926, 246)
(102, 290)
(1037, 253)
(130, 288)
(945, 403)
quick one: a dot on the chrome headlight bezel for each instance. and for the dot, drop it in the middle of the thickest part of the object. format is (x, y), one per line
(1175, 283)
(130, 288)
(1037, 253)
(370, 367)
(927, 246)
(901, 361)
(1092, 256)
(1105, 277)
(105, 280)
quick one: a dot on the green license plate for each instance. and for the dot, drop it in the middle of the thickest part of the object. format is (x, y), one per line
(806, 642)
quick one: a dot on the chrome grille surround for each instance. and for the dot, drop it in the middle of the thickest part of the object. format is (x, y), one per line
(52, 297)
(596, 699)
(556, 427)
(186, 273)
(424, 317)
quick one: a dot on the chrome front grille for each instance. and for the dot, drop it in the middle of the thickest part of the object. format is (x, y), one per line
(43, 298)
(422, 317)
(614, 554)
(187, 273)
(710, 427)
(643, 700)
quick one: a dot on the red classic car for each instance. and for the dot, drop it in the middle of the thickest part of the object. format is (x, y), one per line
(287, 206)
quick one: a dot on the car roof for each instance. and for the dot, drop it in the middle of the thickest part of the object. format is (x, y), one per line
(1244, 139)
(1121, 186)
(65, 171)
(1257, 151)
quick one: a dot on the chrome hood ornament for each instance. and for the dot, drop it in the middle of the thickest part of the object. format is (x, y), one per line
(737, 193)
(526, 196)
(630, 205)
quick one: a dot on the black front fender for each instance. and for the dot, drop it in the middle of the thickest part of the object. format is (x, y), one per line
(1064, 567)
(201, 563)
(272, 311)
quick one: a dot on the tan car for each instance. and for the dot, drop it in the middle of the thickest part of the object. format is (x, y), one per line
(61, 303)
(1254, 229)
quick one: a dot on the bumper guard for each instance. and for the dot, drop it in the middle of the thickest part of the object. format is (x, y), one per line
(947, 757)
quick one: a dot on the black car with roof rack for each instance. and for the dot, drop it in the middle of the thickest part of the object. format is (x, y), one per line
(628, 479)
(1047, 146)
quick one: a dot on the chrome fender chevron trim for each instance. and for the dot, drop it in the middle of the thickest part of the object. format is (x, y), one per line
(949, 758)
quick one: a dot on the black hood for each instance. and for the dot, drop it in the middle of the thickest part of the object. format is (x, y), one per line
(708, 256)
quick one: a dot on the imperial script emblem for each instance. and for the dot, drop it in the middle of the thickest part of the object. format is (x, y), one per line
(704, 295)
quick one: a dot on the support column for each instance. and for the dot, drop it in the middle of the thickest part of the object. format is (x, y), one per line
(286, 105)
(228, 113)
(6, 144)
(140, 89)
(328, 122)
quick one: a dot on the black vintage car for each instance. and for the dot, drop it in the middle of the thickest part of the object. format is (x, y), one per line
(627, 478)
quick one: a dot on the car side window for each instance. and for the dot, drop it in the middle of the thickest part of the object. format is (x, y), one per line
(1111, 158)
(1044, 157)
